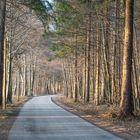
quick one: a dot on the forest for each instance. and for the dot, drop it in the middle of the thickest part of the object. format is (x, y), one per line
(99, 65)
(87, 50)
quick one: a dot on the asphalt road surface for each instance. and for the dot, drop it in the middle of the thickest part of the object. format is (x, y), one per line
(41, 119)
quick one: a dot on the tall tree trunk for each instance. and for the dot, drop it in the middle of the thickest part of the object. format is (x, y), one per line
(97, 69)
(65, 82)
(84, 73)
(9, 92)
(2, 30)
(4, 74)
(76, 75)
(88, 57)
(126, 105)
(33, 77)
(25, 77)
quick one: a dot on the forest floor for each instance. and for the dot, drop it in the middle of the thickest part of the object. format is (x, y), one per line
(8, 116)
(103, 116)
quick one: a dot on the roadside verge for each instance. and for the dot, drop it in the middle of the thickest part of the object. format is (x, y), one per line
(8, 117)
(110, 125)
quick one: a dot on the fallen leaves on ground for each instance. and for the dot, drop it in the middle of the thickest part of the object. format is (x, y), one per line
(8, 116)
(105, 116)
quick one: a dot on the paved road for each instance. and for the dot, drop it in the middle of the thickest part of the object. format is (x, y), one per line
(41, 119)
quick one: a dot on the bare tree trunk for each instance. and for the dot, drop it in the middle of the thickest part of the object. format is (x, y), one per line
(97, 70)
(9, 90)
(85, 73)
(126, 105)
(70, 79)
(88, 57)
(65, 82)
(76, 76)
(2, 30)
(4, 74)
(33, 77)
(24, 75)
(18, 86)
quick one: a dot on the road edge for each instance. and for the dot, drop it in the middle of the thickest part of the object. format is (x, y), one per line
(85, 119)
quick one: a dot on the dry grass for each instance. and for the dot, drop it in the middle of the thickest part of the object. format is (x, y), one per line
(104, 116)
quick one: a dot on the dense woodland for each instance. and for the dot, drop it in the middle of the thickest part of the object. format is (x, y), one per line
(26, 68)
(92, 52)
(100, 52)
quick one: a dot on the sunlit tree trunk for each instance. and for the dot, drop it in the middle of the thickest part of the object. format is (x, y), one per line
(65, 81)
(84, 73)
(4, 74)
(2, 30)
(96, 99)
(33, 77)
(88, 57)
(126, 105)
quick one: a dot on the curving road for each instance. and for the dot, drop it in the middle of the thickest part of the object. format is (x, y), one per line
(41, 119)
